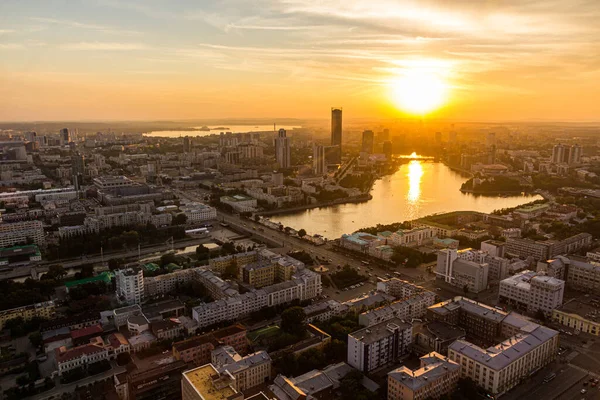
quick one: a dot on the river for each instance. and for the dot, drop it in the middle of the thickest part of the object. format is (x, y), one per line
(417, 189)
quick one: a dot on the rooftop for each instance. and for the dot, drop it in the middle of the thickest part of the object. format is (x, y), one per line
(434, 366)
(506, 352)
(586, 306)
(375, 333)
(202, 379)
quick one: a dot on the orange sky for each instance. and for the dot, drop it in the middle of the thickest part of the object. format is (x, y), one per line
(151, 59)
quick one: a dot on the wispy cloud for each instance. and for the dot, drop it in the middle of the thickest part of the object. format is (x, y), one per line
(5, 31)
(104, 46)
(83, 25)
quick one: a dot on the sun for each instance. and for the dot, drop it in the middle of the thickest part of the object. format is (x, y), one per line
(419, 91)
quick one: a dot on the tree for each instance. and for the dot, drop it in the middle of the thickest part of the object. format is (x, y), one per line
(202, 252)
(56, 272)
(256, 217)
(36, 339)
(179, 219)
(302, 233)
(115, 263)
(228, 248)
(292, 320)
(168, 258)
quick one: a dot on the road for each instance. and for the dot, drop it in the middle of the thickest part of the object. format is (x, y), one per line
(70, 387)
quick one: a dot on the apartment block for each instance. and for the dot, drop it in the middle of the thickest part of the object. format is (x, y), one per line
(411, 237)
(379, 345)
(198, 349)
(259, 274)
(531, 292)
(436, 377)
(399, 288)
(499, 368)
(406, 309)
(43, 310)
(220, 264)
(249, 371)
(130, 285)
(20, 232)
(167, 283)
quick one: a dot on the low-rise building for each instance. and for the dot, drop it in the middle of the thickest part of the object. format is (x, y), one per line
(240, 203)
(435, 336)
(44, 310)
(405, 309)
(436, 377)
(197, 350)
(206, 383)
(360, 241)
(167, 329)
(249, 371)
(378, 345)
(581, 314)
(259, 274)
(411, 237)
(198, 212)
(158, 382)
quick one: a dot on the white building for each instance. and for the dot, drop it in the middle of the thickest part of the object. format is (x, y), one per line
(411, 237)
(461, 273)
(21, 232)
(499, 368)
(130, 285)
(379, 345)
(240, 203)
(198, 212)
(532, 292)
(406, 309)
(167, 283)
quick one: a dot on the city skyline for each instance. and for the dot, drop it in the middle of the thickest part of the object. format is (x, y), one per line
(107, 60)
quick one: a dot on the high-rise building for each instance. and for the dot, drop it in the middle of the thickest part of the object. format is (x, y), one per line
(319, 165)
(388, 150)
(187, 144)
(30, 136)
(379, 345)
(336, 129)
(78, 169)
(65, 136)
(461, 273)
(575, 154)
(130, 285)
(558, 153)
(385, 135)
(282, 149)
(490, 139)
(453, 138)
(368, 140)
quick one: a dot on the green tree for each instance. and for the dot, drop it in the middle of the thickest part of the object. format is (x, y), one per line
(302, 233)
(56, 272)
(292, 321)
(202, 252)
(179, 219)
(115, 263)
(36, 339)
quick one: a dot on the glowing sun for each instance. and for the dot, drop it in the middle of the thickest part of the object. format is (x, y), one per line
(419, 91)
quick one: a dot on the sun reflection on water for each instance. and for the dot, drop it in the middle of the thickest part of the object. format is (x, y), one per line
(415, 172)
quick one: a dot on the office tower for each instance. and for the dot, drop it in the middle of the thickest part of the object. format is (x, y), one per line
(490, 139)
(385, 135)
(388, 149)
(30, 136)
(368, 138)
(319, 166)
(575, 154)
(65, 136)
(453, 138)
(282, 149)
(130, 285)
(336, 130)
(78, 169)
(187, 144)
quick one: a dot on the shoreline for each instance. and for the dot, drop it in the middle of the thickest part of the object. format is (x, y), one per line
(357, 199)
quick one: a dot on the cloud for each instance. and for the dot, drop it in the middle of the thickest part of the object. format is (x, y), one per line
(104, 46)
(88, 26)
(11, 46)
(5, 31)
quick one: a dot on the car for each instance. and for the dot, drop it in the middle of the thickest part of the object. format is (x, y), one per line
(569, 333)
(438, 289)
(583, 391)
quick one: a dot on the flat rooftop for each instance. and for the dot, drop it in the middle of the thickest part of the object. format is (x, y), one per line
(375, 333)
(587, 306)
(201, 379)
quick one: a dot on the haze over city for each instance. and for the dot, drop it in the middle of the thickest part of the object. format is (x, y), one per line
(152, 59)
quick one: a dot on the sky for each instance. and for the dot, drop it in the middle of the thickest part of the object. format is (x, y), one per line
(165, 59)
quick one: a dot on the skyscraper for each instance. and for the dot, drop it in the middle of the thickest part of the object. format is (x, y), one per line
(65, 136)
(388, 149)
(336, 130)
(78, 170)
(319, 165)
(490, 139)
(187, 144)
(575, 154)
(368, 138)
(282, 149)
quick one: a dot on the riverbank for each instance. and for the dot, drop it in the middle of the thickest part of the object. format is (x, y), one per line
(497, 192)
(358, 199)
(457, 169)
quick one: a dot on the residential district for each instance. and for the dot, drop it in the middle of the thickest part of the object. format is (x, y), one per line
(139, 267)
